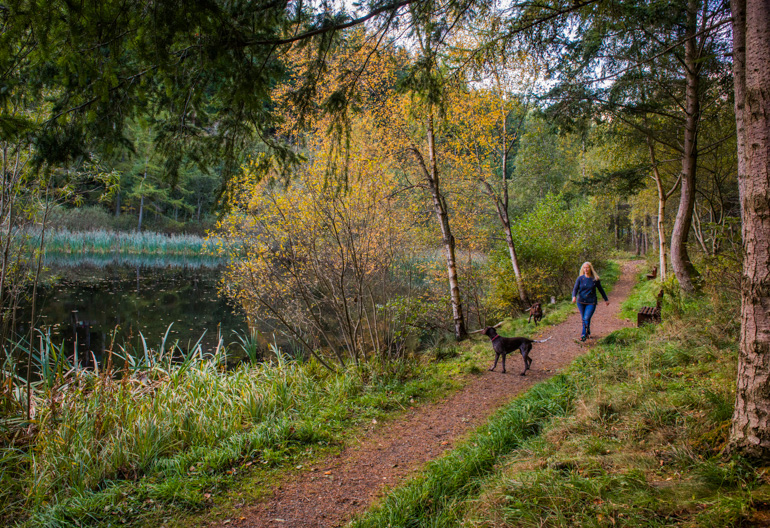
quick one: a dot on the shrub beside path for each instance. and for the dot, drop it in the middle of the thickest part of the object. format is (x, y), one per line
(332, 491)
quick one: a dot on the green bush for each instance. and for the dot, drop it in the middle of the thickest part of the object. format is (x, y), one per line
(552, 241)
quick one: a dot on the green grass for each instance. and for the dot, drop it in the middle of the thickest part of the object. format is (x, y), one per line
(158, 439)
(633, 434)
(432, 498)
(169, 433)
(167, 441)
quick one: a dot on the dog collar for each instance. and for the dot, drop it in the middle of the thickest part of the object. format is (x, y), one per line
(498, 335)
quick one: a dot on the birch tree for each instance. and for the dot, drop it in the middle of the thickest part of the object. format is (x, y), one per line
(487, 125)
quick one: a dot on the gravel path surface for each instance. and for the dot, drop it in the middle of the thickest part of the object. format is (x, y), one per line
(330, 493)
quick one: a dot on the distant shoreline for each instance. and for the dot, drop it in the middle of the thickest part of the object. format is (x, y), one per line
(107, 242)
(132, 260)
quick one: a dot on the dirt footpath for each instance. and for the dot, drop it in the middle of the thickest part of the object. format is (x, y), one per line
(330, 493)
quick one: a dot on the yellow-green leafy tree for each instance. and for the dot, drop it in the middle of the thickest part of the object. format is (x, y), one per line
(486, 126)
(316, 256)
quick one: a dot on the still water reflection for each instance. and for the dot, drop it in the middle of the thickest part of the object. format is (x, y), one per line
(106, 298)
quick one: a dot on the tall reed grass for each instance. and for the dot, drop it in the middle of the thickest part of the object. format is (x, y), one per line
(171, 425)
(131, 260)
(103, 241)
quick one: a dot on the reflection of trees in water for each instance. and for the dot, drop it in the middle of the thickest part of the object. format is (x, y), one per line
(96, 302)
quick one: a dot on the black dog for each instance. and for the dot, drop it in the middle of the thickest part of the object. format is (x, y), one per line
(536, 312)
(504, 345)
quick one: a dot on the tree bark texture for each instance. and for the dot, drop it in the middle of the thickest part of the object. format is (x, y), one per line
(662, 199)
(448, 239)
(141, 213)
(514, 260)
(680, 259)
(750, 433)
(505, 220)
(662, 264)
(141, 200)
(502, 211)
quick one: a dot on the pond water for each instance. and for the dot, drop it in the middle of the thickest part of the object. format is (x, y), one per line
(104, 298)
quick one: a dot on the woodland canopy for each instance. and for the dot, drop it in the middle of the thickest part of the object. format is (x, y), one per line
(381, 171)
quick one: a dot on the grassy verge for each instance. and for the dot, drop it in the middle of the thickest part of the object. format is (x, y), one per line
(432, 499)
(633, 434)
(163, 438)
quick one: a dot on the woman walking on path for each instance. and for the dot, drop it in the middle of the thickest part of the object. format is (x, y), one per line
(584, 293)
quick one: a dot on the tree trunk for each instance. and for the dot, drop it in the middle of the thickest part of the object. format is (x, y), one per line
(750, 432)
(698, 231)
(636, 234)
(505, 219)
(514, 260)
(117, 204)
(141, 212)
(662, 248)
(646, 234)
(141, 199)
(680, 259)
(448, 239)
(662, 199)
(32, 321)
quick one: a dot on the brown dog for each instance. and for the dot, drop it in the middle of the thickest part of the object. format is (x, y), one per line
(504, 345)
(536, 312)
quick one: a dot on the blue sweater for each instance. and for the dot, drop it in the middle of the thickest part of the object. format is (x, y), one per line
(585, 290)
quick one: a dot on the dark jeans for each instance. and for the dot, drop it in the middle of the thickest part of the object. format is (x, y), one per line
(586, 312)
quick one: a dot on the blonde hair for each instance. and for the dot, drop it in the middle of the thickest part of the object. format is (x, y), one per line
(594, 275)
